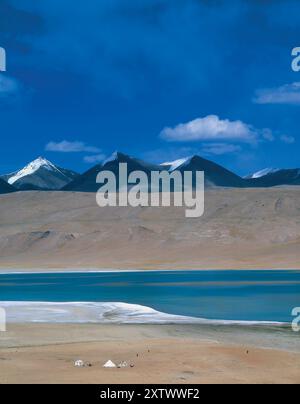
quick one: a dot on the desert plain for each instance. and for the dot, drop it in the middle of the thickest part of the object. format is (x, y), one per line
(240, 229)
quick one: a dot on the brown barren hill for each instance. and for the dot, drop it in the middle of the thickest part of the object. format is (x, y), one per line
(241, 228)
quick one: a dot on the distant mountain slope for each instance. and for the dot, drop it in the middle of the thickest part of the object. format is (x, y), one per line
(87, 181)
(215, 175)
(276, 178)
(262, 173)
(40, 174)
(6, 188)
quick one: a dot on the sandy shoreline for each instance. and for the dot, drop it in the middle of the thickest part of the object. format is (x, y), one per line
(37, 271)
(109, 313)
(44, 353)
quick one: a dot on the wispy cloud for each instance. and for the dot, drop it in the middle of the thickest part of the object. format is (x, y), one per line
(219, 149)
(71, 147)
(159, 156)
(288, 94)
(98, 158)
(268, 135)
(211, 128)
(287, 139)
(162, 155)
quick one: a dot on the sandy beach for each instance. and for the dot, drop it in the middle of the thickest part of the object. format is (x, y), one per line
(45, 353)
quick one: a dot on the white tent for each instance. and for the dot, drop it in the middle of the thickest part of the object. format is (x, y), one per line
(79, 364)
(109, 364)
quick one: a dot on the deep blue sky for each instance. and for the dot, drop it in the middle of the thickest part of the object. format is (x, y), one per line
(114, 74)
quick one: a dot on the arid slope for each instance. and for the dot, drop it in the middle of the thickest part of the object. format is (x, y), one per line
(253, 228)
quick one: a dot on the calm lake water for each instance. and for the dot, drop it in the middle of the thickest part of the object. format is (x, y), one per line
(221, 295)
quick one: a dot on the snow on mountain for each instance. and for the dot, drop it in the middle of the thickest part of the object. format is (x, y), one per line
(30, 169)
(174, 165)
(87, 181)
(40, 174)
(264, 172)
(110, 159)
(215, 175)
(273, 178)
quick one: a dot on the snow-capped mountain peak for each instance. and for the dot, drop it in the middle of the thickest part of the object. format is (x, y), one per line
(40, 174)
(31, 168)
(42, 162)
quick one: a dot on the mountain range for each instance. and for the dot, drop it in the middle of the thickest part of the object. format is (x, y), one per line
(215, 175)
(275, 177)
(43, 175)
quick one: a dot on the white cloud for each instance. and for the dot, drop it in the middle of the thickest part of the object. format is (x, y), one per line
(71, 147)
(287, 94)
(219, 149)
(98, 158)
(287, 139)
(211, 128)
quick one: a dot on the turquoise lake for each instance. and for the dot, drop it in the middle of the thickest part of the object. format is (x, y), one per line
(216, 295)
